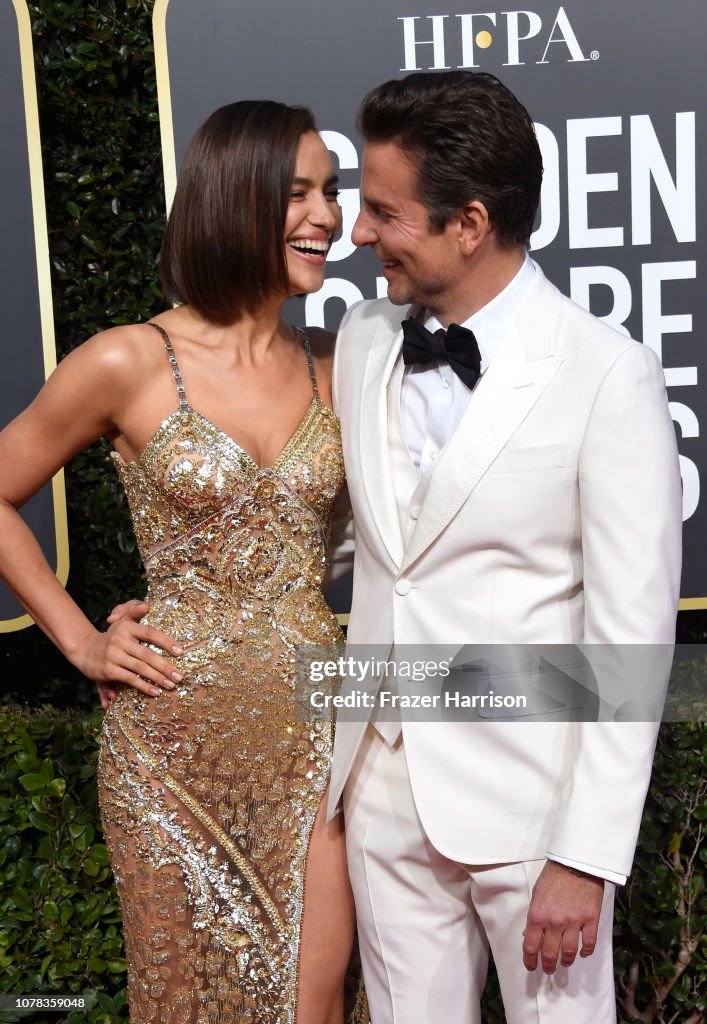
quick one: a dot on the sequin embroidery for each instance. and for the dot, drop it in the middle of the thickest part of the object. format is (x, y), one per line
(209, 792)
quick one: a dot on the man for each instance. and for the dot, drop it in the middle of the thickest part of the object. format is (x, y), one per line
(523, 492)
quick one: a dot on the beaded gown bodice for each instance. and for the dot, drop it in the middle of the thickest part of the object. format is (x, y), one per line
(230, 547)
(209, 792)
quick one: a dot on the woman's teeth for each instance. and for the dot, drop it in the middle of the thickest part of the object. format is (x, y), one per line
(310, 246)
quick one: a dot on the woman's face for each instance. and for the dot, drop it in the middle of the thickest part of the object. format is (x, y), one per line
(313, 215)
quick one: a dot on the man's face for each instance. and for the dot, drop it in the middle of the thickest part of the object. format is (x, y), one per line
(419, 264)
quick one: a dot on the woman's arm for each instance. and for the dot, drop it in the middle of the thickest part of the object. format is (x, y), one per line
(81, 401)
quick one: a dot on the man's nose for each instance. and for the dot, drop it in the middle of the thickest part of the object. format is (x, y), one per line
(362, 232)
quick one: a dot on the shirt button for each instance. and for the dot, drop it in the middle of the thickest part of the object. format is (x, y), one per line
(403, 587)
(445, 382)
(414, 511)
(433, 455)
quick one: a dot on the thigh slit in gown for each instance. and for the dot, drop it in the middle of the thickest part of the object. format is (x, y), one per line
(209, 792)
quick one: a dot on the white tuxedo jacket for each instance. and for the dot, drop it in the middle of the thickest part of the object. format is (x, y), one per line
(551, 516)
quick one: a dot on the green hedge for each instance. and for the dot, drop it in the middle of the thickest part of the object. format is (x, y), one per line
(59, 921)
(661, 947)
(59, 918)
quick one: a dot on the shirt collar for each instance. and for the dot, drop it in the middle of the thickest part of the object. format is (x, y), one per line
(490, 323)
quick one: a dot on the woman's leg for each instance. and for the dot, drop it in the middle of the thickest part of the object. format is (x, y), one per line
(328, 924)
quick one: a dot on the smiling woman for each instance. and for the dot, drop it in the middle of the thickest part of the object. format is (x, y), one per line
(250, 169)
(233, 889)
(312, 214)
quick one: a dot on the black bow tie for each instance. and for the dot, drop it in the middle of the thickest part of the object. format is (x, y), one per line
(456, 346)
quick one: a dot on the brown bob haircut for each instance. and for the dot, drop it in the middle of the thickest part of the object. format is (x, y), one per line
(223, 250)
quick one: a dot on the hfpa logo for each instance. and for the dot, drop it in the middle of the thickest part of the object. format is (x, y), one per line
(477, 31)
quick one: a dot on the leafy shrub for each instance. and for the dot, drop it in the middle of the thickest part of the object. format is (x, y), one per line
(661, 950)
(59, 917)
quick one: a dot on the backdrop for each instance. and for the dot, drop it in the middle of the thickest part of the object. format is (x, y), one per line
(27, 336)
(616, 91)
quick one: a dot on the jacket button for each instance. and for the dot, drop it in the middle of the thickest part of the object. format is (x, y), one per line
(414, 511)
(403, 587)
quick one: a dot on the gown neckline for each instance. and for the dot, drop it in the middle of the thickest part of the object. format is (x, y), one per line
(187, 413)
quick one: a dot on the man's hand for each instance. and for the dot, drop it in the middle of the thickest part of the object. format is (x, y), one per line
(563, 904)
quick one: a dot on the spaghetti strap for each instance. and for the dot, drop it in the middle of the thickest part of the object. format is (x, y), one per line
(310, 361)
(176, 373)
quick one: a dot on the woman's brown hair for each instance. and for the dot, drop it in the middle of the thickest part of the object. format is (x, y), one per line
(223, 250)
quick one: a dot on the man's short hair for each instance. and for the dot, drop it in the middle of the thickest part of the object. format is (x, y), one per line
(223, 251)
(471, 139)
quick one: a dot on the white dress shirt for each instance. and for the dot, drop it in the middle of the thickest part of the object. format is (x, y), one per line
(433, 400)
(432, 397)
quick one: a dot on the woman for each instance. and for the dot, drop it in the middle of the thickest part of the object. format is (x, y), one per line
(233, 888)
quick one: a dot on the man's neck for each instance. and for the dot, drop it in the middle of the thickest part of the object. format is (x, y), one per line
(489, 273)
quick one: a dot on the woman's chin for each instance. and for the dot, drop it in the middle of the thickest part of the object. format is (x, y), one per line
(299, 289)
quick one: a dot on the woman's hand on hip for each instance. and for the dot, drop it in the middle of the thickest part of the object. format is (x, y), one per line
(120, 655)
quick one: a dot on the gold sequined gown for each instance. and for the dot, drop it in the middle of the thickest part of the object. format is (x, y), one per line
(209, 792)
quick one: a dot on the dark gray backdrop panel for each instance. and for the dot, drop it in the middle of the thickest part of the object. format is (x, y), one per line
(21, 340)
(602, 60)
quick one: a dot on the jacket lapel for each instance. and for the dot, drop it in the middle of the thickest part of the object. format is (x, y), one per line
(373, 436)
(503, 398)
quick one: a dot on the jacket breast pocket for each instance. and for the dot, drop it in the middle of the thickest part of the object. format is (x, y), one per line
(529, 459)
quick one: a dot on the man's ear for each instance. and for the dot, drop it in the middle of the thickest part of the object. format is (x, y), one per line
(474, 226)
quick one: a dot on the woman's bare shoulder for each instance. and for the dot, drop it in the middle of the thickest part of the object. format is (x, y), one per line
(122, 354)
(85, 396)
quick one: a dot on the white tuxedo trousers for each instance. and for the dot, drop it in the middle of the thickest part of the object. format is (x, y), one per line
(426, 923)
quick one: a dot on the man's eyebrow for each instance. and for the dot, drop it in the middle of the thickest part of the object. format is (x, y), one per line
(333, 180)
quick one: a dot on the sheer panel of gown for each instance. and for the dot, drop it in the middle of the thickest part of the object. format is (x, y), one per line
(209, 792)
